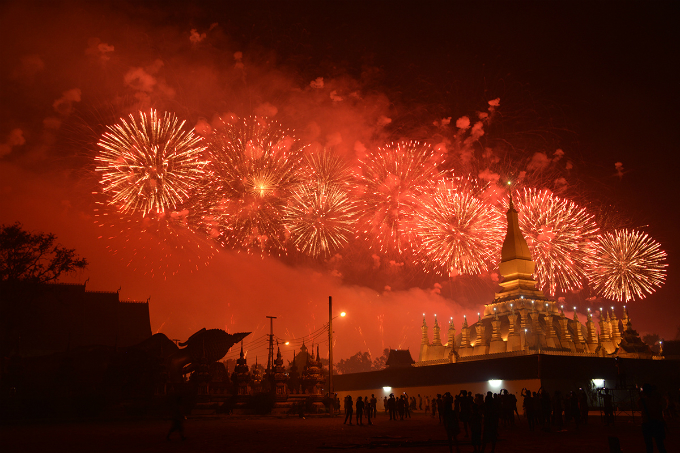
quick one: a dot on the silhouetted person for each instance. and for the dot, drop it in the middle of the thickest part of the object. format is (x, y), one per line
(513, 403)
(392, 407)
(546, 409)
(374, 405)
(476, 428)
(557, 409)
(528, 405)
(177, 423)
(465, 405)
(653, 425)
(490, 422)
(407, 406)
(420, 402)
(360, 411)
(440, 407)
(400, 407)
(608, 405)
(368, 410)
(450, 416)
(349, 410)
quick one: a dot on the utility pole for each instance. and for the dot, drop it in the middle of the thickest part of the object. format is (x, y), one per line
(270, 358)
(330, 348)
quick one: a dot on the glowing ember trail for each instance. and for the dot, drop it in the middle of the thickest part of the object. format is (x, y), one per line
(149, 164)
(626, 264)
(392, 180)
(254, 167)
(458, 233)
(558, 233)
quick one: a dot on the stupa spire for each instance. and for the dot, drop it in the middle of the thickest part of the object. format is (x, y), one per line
(516, 267)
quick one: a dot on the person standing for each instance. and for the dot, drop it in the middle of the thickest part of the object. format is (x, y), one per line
(476, 428)
(400, 407)
(465, 410)
(368, 410)
(360, 411)
(450, 416)
(653, 425)
(440, 407)
(349, 410)
(374, 405)
(490, 408)
(392, 407)
(528, 405)
(608, 403)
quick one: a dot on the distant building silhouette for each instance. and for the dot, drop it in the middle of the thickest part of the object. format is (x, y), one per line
(48, 318)
(399, 358)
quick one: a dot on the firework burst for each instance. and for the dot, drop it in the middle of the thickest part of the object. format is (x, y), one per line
(327, 168)
(458, 233)
(254, 167)
(626, 264)
(320, 219)
(558, 233)
(149, 164)
(392, 181)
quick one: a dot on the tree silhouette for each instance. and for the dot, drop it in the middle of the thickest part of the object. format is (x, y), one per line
(36, 257)
(358, 363)
(381, 362)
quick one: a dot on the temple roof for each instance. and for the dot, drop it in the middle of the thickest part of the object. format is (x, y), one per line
(399, 358)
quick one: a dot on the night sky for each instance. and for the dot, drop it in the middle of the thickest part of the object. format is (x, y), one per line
(595, 79)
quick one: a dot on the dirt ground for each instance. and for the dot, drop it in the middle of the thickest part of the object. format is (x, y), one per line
(269, 434)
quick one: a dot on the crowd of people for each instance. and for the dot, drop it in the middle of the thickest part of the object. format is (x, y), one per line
(479, 416)
(543, 410)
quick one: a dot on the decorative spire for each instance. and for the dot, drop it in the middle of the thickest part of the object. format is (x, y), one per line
(424, 340)
(517, 266)
(514, 246)
(452, 334)
(437, 341)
